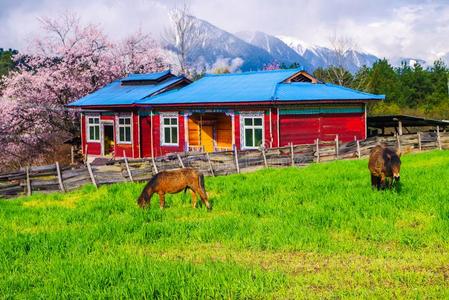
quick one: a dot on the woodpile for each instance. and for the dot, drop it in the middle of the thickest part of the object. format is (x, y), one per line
(51, 178)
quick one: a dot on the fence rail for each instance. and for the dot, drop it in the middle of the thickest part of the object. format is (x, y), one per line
(51, 178)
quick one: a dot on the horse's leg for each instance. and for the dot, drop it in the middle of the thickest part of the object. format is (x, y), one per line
(382, 182)
(379, 183)
(193, 198)
(161, 200)
(203, 196)
(373, 181)
(198, 187)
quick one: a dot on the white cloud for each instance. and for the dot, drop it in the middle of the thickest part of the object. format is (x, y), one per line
(412, 28)
(232, 65)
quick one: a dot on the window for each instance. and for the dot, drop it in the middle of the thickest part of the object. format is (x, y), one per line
(253, 132)
(124, 130)
(169, 127)
(93, 129)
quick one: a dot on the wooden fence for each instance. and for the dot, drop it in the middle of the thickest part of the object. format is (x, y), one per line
(54, 177)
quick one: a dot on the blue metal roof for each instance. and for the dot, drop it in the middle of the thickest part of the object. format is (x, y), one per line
(147, 76)
(304, 91)
(256, 87)
(117, 94)
(213, 88)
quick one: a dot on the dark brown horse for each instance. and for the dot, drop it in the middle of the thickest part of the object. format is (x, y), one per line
(384, 163)
(174, 182)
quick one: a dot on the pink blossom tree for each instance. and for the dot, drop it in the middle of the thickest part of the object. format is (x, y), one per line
(65, 64)
(272, 66)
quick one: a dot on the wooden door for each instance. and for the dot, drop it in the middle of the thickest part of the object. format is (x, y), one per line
(207, 138)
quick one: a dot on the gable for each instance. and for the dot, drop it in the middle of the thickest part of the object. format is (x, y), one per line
(301, 76)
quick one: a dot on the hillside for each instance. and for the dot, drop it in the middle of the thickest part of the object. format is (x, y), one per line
(313, 232)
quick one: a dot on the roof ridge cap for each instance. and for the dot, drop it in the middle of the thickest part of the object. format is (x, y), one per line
(255, 72)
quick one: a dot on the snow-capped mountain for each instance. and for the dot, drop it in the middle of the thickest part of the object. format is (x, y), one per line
(212, 44)
(319, 56)
(408, 61)
(280, 51)
(253, 50)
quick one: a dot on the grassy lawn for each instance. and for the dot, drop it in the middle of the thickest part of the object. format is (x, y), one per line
(314, 232)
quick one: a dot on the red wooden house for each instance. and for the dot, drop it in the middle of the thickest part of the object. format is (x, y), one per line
(145, 115)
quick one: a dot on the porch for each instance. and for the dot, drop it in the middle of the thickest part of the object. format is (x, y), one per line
(210, 132)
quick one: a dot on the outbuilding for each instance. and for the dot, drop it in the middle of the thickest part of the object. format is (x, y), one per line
(147, 115)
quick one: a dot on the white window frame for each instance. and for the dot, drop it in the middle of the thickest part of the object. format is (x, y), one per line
(90, 126)
(119, 126)
(243, 127)
(164, 116)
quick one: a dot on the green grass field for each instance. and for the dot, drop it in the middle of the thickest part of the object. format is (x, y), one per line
(313, 232)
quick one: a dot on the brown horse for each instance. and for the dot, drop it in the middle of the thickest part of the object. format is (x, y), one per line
(174, 182)
(384, 163)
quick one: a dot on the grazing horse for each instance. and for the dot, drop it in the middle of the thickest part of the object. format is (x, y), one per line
(384, 163)
(172, 182)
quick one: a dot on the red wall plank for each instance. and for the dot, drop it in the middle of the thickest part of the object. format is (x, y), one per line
(145, 136)
(237, 130)
(299, 129)
(304, 129)
(136, 135)
(347, 126)
(274, 125)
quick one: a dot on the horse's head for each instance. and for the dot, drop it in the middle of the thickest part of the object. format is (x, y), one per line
(394, 165)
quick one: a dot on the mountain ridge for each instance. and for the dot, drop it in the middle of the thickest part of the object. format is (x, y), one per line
(253, 50)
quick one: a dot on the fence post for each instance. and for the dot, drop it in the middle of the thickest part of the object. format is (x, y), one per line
(58, 171)
(91, 174)
(292, 154)
(317, 143)
(210, 164)
(359, 154)
(127, 167)
(85, 153)
(154, 165)
(337, 146)
(180, 161)
(439, 138)
(28, 181)
(236, 160)
(72, 155)
(264, 158)
(419, 141)
(398, 142)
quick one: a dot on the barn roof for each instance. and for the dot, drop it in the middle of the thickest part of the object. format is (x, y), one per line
(256, 87)
(125, 92)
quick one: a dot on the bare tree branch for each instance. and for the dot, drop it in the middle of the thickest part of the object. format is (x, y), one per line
(180, 35)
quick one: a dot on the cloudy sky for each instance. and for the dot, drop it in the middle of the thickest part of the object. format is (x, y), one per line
(386, 28)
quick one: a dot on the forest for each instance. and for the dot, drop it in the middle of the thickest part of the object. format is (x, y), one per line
(412, 90)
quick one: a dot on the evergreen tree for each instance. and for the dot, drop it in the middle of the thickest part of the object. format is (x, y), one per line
(416, 84)
(6, 61)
